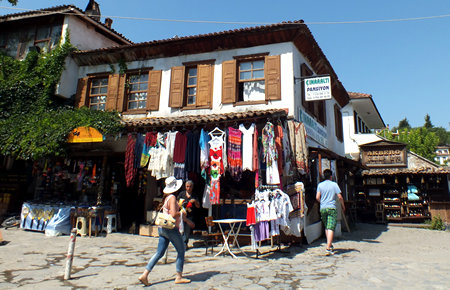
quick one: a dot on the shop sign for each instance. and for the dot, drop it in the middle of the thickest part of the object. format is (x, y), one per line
(317, 88)
(84, 135)
(384, 157)
(314, 130)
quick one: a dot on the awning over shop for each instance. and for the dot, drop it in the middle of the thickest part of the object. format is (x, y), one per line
(205, 120)
(84, 135)
(420, 170)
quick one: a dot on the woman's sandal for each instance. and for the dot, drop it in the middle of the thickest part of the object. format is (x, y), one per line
(144, 280)
(182, 281)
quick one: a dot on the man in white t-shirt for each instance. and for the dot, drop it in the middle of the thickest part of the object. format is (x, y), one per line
(327, 191)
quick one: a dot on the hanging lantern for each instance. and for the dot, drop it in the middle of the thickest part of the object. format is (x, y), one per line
(407, 179)
(438, 179)
(384, 180)
(396, 180)
(422, 180)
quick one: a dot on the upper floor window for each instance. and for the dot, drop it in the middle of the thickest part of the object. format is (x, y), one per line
(97, 93)
(251, 79)
(137, 91)
(191, 85)
(315, 108)
(16, 42)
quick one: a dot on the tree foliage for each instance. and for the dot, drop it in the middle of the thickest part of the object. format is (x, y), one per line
(418, 140)
(32, 124)
(13, 2)
(443, 135)
(404, 124)
(428, 123)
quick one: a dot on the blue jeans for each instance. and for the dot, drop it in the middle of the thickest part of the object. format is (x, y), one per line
(166, 236)
(187, 233)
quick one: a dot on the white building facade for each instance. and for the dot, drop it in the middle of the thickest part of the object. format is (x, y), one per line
(360, 118)
(216, 74)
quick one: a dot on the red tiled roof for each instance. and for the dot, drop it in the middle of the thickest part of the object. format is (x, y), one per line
(353, 95)
(296, 32)
(420, 170)
(60, 9)
(206, 120)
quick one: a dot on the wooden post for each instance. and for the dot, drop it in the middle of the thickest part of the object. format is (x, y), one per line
(73, 238)
(345, 221)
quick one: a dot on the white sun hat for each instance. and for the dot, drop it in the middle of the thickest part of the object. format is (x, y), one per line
(172, 184)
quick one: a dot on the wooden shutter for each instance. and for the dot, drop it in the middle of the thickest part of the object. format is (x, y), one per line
(204, 85)
(154, 89)
(176, 87)
(80, 97)
(121, 100)
(229, 82)
(113, 91)
(272, 73)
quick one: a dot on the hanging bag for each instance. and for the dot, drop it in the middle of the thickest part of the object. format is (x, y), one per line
(165, 220)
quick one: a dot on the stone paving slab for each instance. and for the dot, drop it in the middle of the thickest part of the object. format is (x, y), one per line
(371, 256)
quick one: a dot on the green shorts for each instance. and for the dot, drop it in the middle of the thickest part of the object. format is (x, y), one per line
(329, 218)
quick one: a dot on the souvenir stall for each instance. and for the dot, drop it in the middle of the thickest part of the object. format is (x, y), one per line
(229, 157)
(399, 185)
(69, 192)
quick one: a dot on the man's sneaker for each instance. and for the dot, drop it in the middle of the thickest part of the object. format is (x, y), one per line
(329, 252)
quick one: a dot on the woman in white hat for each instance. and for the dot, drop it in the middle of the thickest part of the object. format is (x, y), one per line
(170, 206)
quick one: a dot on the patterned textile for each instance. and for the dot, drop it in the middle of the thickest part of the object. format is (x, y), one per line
(279, 146)
(204, 153)
(179, 171)
(287, 155)
(149, 141)
(270, 154)
(234, 153)
(301, 150)
(130, 171)
(216, 170)
(291, 129)
(329, 218)
(256, 158)
(170, 146)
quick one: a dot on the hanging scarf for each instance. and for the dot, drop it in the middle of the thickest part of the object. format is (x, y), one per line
(130, 171)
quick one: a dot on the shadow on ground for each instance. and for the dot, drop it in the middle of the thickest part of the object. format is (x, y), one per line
(198, 277)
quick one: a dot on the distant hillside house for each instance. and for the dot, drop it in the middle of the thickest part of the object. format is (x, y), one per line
(442, 155)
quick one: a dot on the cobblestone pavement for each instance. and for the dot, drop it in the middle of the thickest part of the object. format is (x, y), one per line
(371, 256)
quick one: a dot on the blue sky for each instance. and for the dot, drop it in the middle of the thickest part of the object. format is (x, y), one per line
(404, 65)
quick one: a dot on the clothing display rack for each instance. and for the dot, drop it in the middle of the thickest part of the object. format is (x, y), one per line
(278, 249)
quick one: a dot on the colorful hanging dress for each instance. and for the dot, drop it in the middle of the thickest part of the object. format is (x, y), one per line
(270, 154)
(234, 153)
